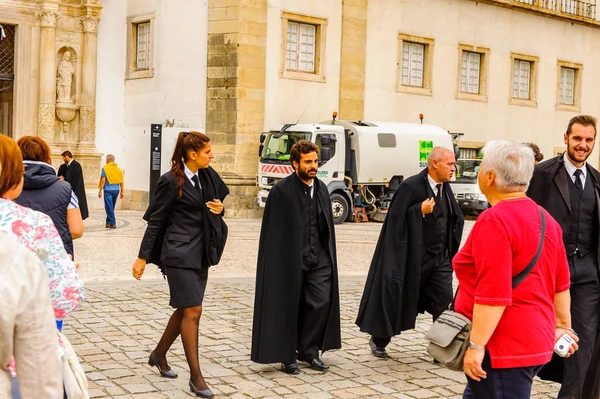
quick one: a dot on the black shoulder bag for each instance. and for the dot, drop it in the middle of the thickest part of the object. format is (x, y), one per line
(449, 335)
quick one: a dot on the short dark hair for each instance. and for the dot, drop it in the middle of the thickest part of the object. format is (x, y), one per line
(537, 154)
(67, 154)
(585, 120)
(302, 147)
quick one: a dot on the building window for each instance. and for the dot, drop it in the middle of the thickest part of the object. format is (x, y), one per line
(303, 47)
(142, 45)
(472, 77)
(569, 86)
(140, 54)
(524, 80)
(414, 64)
(470, 72)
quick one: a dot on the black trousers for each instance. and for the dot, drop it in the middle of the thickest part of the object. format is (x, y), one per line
(513, 383)
(435, 288)
(579, 370)
(314, 306)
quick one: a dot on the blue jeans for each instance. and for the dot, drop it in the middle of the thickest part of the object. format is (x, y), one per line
(514, 383)
(110, 201)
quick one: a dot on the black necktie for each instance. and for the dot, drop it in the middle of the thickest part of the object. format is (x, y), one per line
(578, 184)
(439, 193)
(197, 183)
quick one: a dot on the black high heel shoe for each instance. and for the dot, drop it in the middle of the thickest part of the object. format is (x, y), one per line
(203, 393)
(153, 361)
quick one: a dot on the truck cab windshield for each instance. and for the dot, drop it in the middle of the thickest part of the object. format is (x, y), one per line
(277, 148)
(467, 170)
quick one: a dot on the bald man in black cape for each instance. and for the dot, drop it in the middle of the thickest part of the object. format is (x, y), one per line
(297, 306)
(411, 269)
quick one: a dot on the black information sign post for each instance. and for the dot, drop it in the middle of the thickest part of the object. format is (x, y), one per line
(155, 150)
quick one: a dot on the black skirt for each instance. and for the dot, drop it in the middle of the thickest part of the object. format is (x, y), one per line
(186, 286)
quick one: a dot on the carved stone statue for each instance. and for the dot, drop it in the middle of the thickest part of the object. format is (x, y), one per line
(64, 78)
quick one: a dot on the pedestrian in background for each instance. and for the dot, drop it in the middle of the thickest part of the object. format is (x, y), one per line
(185, 209)
(111, 182)
(514, 329)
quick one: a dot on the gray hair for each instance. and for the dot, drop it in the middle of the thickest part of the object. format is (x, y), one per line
(512, 163)
(437, 153)
(110, 158)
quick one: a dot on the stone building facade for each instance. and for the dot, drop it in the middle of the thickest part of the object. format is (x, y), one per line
(48, 55)
(490, 69)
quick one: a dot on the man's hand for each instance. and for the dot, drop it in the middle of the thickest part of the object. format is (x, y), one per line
(427, 206)
(138, 268)
(100, 194)
(472, 364)
(215, 206)
(121, 195)
(61, 177)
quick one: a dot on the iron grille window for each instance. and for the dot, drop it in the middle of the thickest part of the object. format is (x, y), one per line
(7, 77)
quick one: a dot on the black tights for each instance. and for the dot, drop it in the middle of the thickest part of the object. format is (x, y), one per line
(184, 321)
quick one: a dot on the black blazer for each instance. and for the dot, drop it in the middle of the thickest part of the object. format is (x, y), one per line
(549, 188)
(179, 229)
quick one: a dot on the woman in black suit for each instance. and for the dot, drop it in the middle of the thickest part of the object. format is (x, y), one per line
(180, 238)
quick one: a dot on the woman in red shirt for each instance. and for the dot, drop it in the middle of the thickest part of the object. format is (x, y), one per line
(514, 331)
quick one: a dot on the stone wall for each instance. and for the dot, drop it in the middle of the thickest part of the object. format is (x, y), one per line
(235, 106)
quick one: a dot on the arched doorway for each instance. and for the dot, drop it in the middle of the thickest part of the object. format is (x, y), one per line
(7, 77)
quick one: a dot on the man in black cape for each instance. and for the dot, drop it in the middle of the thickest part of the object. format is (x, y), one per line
(72, 172)
(411, 269)
(569, 189)
(296, 306)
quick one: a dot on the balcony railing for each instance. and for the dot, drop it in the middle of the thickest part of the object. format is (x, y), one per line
(579, 8)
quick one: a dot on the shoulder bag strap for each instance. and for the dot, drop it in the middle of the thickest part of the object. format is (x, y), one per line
(518, 279)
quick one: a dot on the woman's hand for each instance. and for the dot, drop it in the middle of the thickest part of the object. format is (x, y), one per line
(472, 364)
(560, 331)
(138, 268)
(215, 206)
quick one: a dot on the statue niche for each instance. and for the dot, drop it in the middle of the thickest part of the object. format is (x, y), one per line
(66, 108)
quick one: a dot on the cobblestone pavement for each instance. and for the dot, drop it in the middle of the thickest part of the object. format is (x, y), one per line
(122, 319)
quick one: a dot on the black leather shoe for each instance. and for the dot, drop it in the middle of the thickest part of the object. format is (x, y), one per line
(153, 361)
(377, 351)
(317, 364)
(203, 393)
(291, 368)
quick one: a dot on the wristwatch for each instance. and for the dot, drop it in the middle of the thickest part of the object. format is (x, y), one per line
(473, 346)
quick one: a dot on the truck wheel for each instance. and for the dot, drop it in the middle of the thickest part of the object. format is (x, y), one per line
(339, 207)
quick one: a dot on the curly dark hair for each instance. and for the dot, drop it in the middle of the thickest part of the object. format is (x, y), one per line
(302, 147)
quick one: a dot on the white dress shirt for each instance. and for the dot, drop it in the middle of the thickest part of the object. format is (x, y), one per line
(572, 168)
(189, 175)
(433, 185)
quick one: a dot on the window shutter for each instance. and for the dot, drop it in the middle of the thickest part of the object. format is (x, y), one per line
(307, 47)
(292, 46)
(142, 45)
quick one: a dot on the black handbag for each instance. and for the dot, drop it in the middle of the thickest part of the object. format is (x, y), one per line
(449, 335)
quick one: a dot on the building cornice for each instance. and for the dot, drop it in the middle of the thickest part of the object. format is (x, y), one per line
(543, 11)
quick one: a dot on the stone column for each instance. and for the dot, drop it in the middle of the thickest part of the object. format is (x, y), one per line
(235, 104)
(46, 105)
(353, 59)
(87, 96)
